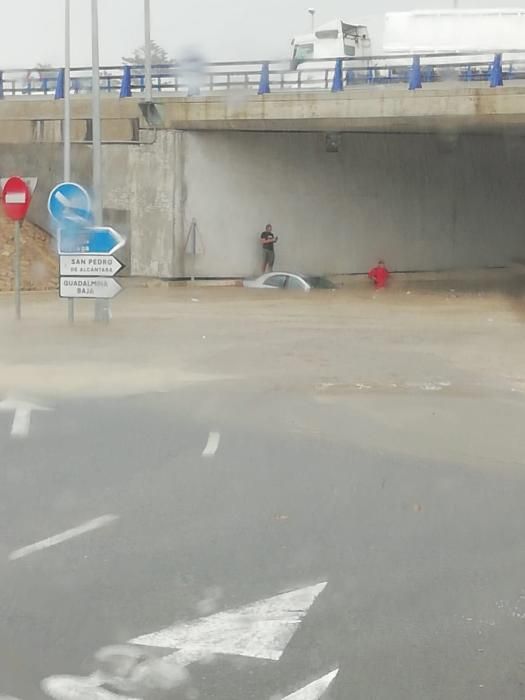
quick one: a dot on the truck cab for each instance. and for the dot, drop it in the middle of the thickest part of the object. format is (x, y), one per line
(334, 39)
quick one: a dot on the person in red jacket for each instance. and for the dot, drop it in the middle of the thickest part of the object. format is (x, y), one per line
(379, 275)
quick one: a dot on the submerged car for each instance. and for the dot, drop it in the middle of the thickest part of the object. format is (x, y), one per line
(289, 280)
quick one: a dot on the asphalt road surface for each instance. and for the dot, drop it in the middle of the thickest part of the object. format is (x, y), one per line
(352, 533)
(423, 558)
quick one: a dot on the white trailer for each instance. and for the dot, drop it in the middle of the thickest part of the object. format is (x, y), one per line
(458, 31)
(455, 31)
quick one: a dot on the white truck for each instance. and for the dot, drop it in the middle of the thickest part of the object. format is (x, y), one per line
(331, 40)
(335, 39)
(407, 34)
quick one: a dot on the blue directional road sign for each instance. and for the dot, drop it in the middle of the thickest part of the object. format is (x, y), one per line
(69, 204)
(104, 240)
(99, 240)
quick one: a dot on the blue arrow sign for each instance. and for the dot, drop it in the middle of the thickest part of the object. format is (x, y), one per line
(104, 239)
(101, 240)
(70, 204)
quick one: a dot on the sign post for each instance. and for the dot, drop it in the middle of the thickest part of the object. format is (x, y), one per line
(18, 285)
(16, 198)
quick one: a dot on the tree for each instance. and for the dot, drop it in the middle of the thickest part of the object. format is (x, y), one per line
(159, 56)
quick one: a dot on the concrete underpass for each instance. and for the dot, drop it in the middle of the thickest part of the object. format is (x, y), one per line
(423, 202)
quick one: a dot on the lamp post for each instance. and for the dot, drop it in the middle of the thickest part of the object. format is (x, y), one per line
(95, 109)
(102, 312)
(147, 52)
(67, 93)
(67, 118)
(311, 12)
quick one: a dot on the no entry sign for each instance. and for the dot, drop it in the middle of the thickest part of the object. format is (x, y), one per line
(16, 198)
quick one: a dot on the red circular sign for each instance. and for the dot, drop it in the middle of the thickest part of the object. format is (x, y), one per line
(16, 198)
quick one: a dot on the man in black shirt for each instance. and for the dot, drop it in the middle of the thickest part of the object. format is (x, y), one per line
(268, 240)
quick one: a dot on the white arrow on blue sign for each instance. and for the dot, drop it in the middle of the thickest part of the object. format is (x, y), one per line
(104, 240)
(69, 203)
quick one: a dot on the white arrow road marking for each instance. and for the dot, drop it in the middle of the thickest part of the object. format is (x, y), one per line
(63, 536)
(88, 688)
(261, 630)
(22, 417)
(78, 688)
(212, 445)
(314, 690)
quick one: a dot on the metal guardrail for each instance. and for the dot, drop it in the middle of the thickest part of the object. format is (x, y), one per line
(268, 76)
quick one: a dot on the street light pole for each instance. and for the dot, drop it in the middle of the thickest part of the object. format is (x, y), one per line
(101, 305)
(311, 12)
(148, 78)
(96, 128)
(67, 93)
(67, 119)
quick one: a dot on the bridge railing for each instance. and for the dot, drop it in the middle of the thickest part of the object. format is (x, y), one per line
(269, 76)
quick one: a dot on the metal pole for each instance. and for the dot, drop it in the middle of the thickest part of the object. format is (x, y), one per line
(17, 271)
(148, 78)
(311, 12)
(101, 305)
(67, 120)
(193, 247)
(67, 93)
(97, 139)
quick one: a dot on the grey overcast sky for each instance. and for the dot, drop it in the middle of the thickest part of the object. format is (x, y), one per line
(31, 31)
